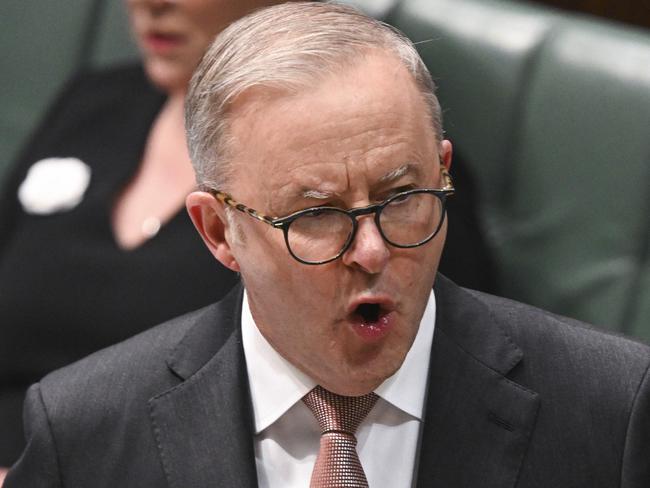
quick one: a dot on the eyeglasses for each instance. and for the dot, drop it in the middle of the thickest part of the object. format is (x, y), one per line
(318, 235)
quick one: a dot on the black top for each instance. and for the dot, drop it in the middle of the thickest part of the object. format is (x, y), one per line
(66, 288)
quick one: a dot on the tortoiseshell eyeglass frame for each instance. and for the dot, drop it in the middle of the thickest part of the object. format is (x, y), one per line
(283, 223)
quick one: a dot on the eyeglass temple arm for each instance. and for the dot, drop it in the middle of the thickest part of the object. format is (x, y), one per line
(228, 200)
(448, 183)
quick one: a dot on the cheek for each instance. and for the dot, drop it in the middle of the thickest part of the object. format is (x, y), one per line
(412, 266)
(202, 37)
(432, 251)
(289, 289)
(136, 22)
(261, 253)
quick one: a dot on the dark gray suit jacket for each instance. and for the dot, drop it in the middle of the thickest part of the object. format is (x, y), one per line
(517, 398)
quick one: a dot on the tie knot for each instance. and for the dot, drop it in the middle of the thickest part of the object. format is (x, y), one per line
(337, 412)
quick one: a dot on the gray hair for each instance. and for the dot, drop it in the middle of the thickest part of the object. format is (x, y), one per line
(287, 48)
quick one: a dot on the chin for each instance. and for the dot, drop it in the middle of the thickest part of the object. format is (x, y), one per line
(365, 382)
(353, 389)
(348, 382)
(167, 76)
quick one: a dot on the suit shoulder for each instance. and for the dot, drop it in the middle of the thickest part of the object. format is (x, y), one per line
(540, 333)
(139, 360)
(149, 362)
(529, 322)
(100, 406)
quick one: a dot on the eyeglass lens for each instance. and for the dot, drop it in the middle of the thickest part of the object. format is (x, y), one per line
(406, 221)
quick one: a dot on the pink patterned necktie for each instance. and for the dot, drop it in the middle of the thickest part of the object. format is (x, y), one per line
(337, 464)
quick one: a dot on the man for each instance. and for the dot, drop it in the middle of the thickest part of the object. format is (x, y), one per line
(318, 148)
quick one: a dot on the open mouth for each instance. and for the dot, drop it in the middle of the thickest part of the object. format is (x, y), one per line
(369, 312)
(372, 321)
(162, 42)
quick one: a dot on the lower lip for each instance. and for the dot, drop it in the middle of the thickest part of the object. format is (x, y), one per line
(373, 331)
(161, 44)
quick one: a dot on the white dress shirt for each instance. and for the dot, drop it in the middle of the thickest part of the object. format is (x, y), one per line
(287, 437)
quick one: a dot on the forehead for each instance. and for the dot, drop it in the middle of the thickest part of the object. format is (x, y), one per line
(346, 133)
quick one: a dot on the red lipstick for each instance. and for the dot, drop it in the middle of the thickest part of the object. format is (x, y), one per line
(160, 43)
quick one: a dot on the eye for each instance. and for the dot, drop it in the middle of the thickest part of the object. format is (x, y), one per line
(400, 199)
(325, 206)
(397, 191)
(317, 212)
(310, 211)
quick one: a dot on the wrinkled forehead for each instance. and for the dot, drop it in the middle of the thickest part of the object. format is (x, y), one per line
(355, 127)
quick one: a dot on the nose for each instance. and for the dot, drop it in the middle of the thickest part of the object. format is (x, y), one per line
(368, 251)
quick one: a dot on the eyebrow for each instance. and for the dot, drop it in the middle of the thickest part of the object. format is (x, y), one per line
(318, 194)
(397, 173)
(391, 176)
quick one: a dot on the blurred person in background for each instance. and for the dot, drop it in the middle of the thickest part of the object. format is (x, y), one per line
(96, 244)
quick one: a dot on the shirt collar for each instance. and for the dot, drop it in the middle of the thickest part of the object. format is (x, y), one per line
(276, 385)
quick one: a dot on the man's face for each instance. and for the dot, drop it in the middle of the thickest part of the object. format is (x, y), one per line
(358, 137)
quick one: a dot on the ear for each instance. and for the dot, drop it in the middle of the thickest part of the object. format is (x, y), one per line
(445, 153)
(209, 218)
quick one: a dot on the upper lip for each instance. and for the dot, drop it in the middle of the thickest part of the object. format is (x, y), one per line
(162, 33)
(385, 303)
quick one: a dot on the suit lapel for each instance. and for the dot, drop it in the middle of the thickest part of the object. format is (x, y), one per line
(477, 423)
(203, 426)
